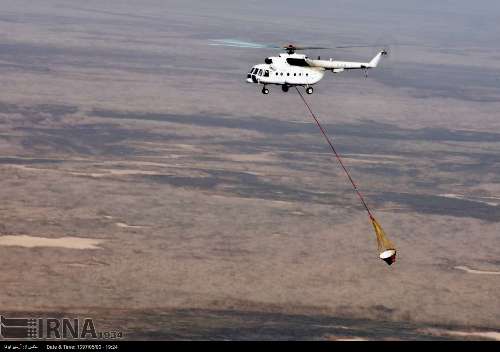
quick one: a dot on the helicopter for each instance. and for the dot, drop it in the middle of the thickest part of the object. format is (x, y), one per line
(290, 69)
(293, 70)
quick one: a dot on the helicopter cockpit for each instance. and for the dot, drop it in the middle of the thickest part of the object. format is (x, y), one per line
(256, 72)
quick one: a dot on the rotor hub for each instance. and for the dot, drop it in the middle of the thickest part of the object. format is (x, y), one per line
(290, 48)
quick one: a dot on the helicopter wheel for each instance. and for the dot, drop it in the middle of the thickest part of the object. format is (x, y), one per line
(284, 88)
(265, 90)
(309, 90)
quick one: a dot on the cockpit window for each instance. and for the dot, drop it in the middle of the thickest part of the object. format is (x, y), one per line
(260, 72)
(254, 70)
(266, 73)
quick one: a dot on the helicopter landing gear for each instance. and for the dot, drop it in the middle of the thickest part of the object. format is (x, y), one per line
(309, 90)
(265, 90)
(284, 88)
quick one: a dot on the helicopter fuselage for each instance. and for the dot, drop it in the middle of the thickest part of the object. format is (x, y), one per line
(278, 70)
(291, 69)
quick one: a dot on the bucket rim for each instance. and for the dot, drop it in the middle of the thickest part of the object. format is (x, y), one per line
(387, 253)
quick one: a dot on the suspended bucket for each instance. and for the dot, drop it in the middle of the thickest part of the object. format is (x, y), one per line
(386, 248)
(388, 256)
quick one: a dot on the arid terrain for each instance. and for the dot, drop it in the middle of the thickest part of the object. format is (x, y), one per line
(144, 183)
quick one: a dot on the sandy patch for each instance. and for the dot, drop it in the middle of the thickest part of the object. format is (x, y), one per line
(353, 338)
(373, 156)
(121, 163)
(78, 265)
(473, 271)
(462, 197)
(366, 161)
(108, 173)
(391, 208)
(491, 335)
(127, 226)
(260, 157)
(102, 173)
(189, 147)
(62, 242)
(301, 122)
(276, 203)
(27, 168)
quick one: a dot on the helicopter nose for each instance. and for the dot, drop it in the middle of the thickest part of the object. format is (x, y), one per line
(249, 80)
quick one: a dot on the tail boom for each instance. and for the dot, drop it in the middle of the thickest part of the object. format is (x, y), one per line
(346, 65)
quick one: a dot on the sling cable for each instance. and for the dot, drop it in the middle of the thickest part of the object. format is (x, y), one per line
(386, 248)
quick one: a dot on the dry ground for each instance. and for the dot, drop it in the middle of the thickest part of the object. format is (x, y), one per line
(122, 127)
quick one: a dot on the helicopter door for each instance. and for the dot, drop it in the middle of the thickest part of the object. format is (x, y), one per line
(254, 74)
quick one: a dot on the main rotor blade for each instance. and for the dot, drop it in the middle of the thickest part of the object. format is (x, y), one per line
(311, 47)
(242, 44)
(359, 46)
(252, 45)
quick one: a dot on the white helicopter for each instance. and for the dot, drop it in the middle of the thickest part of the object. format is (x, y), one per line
(290, 69)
